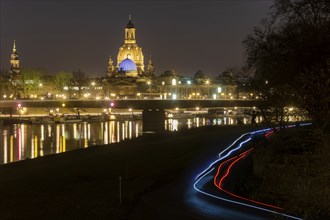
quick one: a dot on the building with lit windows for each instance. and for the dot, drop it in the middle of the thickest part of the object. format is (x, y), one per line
(129, 77)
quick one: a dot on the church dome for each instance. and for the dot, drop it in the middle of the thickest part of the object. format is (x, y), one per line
(127, 65)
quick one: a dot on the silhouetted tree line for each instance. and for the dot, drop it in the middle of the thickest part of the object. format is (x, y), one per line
(290, 56)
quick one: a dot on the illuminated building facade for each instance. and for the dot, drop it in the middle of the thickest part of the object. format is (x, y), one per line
(130, 59)
(130, 79)
(14, 64)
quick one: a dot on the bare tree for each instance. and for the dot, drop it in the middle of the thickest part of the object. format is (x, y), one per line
(291, 52)
(62, 80)
(290, 57)
(79, 80)
(29, 81)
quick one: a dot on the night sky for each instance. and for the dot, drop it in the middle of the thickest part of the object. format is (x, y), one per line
(182, 35)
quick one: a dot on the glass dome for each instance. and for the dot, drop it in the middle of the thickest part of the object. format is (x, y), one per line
(127, 65)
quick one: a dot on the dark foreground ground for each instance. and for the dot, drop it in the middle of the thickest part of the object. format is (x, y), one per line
(84, 184)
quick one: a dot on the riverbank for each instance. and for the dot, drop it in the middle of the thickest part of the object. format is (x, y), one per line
(65, 118)
(84, 184)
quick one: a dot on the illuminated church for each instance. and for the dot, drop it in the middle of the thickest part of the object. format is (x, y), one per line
(14, 63)
(130, 58)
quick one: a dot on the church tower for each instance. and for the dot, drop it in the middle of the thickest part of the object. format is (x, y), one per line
(130, 49)
(130, 32)
(150, 69)
(14, 63)
(111, 68)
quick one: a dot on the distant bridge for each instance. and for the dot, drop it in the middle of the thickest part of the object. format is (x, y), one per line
(130, 103)
(153, 111)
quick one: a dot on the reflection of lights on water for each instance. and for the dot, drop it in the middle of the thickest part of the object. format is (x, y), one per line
(105, 133)
(130, 127)
(49, 130)
(85, 130)
(136, 130)
(231, 121)
(118, 132)
(22, 145)
(63, 139)
(35, 146)
(88, 131)
(41, 151)
(19, 144)
(15, 130)
(59, 135)
(42, 138)
(175, 125)
(5, 137)
(123, 131)
(63, 134)
(11, 148)
(42, 131)
(245, 120)
(63, 130)
(32, 147)
(75, 133)
(112, 132)
(126, 129)
(189, 123)
(57, 139)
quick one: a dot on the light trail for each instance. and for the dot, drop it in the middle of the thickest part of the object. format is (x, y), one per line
(236, 202)
(220, 184)
(265, 207)
(233, 143)
(235, 149)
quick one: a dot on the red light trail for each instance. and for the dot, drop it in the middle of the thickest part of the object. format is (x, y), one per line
(234, 160)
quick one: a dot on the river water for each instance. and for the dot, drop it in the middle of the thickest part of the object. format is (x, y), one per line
(23, 141)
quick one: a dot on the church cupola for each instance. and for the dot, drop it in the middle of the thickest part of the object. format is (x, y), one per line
(130, 32)
(14, 62)
(131, 49)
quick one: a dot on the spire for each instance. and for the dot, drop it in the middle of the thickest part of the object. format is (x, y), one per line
(14, 47)
(130, 24)
(14, 63)
(150, 61)
(111, 68)
(150, 68)
(110, 60)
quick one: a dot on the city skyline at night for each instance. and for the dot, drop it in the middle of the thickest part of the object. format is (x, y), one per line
(181, 35)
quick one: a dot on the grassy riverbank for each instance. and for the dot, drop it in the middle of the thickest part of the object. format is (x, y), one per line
(83, 184)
